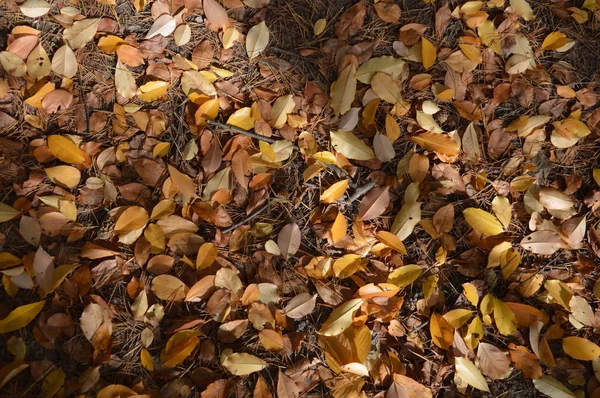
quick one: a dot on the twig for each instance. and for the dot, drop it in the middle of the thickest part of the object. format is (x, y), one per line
(82, 95)
(247, 219)
(293, 54)
(241, 131)
(360, 191)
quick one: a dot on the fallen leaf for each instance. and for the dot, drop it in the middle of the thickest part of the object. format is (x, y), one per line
(341, 318)
(257, 40)
(21, 316)
(241, 364)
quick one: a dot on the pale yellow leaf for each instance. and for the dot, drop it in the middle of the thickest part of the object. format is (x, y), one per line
(81, 32)
(469, 373)
(257, 40)
(350, 145)
(343, 90)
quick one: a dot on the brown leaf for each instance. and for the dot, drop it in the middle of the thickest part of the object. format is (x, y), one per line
(286, 388)
(525, 361)
(43, 267)
(374, 203)
(289, 240)
(261, 389)
(440, 143)
(216, 15)
(351, 21)
(492, 361)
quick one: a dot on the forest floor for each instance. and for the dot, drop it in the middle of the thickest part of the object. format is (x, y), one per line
(299, 198)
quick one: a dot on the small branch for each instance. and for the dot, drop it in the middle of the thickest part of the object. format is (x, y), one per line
(82, 97)
(241, 131)
(247, 219)
(360, 191)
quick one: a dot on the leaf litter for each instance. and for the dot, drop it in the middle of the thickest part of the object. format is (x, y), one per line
(295, 198)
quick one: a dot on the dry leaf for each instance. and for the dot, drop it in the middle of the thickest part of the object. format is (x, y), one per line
(257, 40)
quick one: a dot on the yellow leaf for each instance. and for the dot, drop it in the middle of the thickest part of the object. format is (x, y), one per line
(386, 88)
(554, 41)
(560, 291)
(146, 360)
(7, 213)
(319, 26)
(12, 64)
(469, 373)
(35, 8)
(429, 53)
(168, 287)
(470, 292)
(505, 319)
(38, 63)
(156, 237)
(257, 40)
(439, 143)
(36, 99)
(131, 219)
(392, 129)
(596, 175)
(343, 90)
(580, 348)
(207, 255)
(124, 81)
(471, 52)
(334, 192)
(208, 110)
(350, 145)
(230, 36)
(338, 229)
(474, 333)
(391, 240)
(161, 149)
(341, 318)
(179, 347)
(66, 176)
(192, 80)
(502, 209)
(21, 316)
(282, 107)
(241, 364)
(458, 317)
(115, 390)
(522, 9)
(153, 90)
(442, 333)
(65, 149)
(267, 150)
(242, 118)
(489, 35)
(164, 208)
(81, 32)
(348, 265)
(110, 43)
(389, 65)
(482, 221)
(405, 275)
(271, 340)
